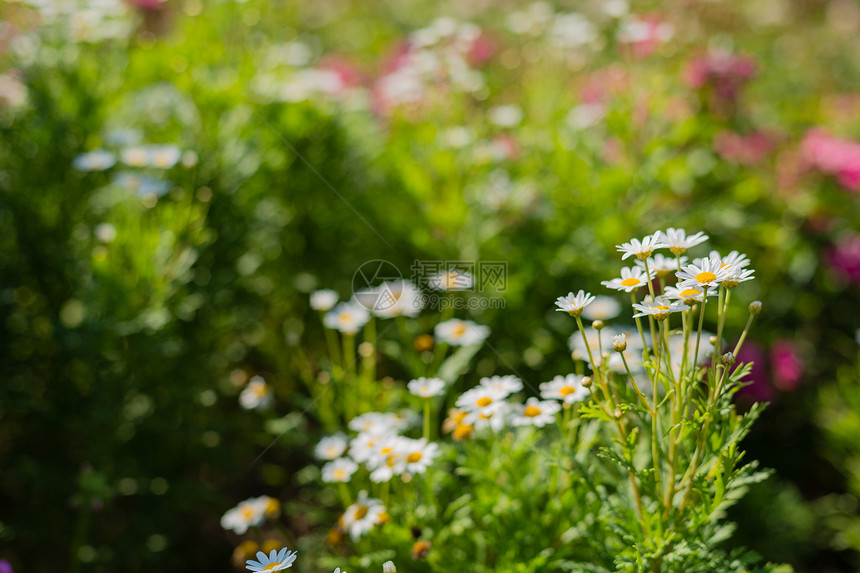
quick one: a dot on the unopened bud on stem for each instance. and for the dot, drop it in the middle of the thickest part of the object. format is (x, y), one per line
(755, 307)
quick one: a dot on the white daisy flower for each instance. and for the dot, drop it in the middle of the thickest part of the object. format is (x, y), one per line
(504, 385)
(480, 399)
(347, 317)
(248, 513)
(398, 298)
(361, 516)
(631, 279)
(709, 273)
(419, 455)
(426, 387)
(367, 445)
(568, 389)
(323, 300)
(689, 295)
(662, 265)
(137, 156)
(461, 332)
(164, 156)
(678, 241)
(331, 447)
(97, 160)
(378, 423)
(452, 280)
(602, 308)
(734, 259)
(505, 115)
(574, 304)
(536, 413)
(660, 308)
(274, 561)
(257, 394)
(270, 506)
(495, 418)
(738, 275)
(388, 567)
(339, 470)
(641, 249)
(619, 342)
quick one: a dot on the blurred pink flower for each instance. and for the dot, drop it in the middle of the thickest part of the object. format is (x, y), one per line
(844, 257)
(482, 49)
(746, 149)
(5, 566)
(786, 364)
(644, 34)
(834, 156)
(724, 73)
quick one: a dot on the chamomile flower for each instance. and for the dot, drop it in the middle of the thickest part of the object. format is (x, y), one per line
(97, 160)
(274, 561)
(688, 295)
(257, 394)
(568, 389)
(662, 265)
(495, 418)
(631, 279)
(361, 516)
(574, 304)
(678, 241)
(480, 399)
(452, 280)
(602, 308)
(339, 470)
(419, 454)
(378, 423)
(367, 445)
(331, 447)
(398, 298)
(660, 308)
(708, 273)
(536, 413)
(388, 459)
(323, 300)
(640, 249)
(461, 332)
(388, 567)
(426, 387)
(270, 506)
(136, 156)
(164, 156)
(738, 275)
(347, 317)
(248, 513)
(504, 385)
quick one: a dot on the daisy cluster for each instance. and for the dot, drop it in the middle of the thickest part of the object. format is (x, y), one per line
(378, 448)
(278, 560)
(695, 281)
(487, 405)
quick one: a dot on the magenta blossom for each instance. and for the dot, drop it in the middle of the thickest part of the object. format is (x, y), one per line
(748, 149)
(724, 73)
(844, 257)
(833, 156)
(786, 364)
(760, 388)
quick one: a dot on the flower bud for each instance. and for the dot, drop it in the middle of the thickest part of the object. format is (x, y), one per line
(712, 340)
(755, 307)
(618, 414)
(597, 325)
(619, 342)
(586, 381)
(728, 358)
(388, 567)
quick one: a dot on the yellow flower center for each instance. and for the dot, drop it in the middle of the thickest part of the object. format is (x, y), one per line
(385, 451)
(424, 389)
(660, 307)
(565, 390)
(271, 566)
(339, 474)
(162, 159)
(689, 292)
(361, 512)
(460, 330)
(705, 277)
(247, 512)
(532, 411)
(484, 401)
(414, 457)
(630, 282)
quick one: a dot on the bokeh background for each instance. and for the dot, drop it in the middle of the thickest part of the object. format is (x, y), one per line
(250, 152)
